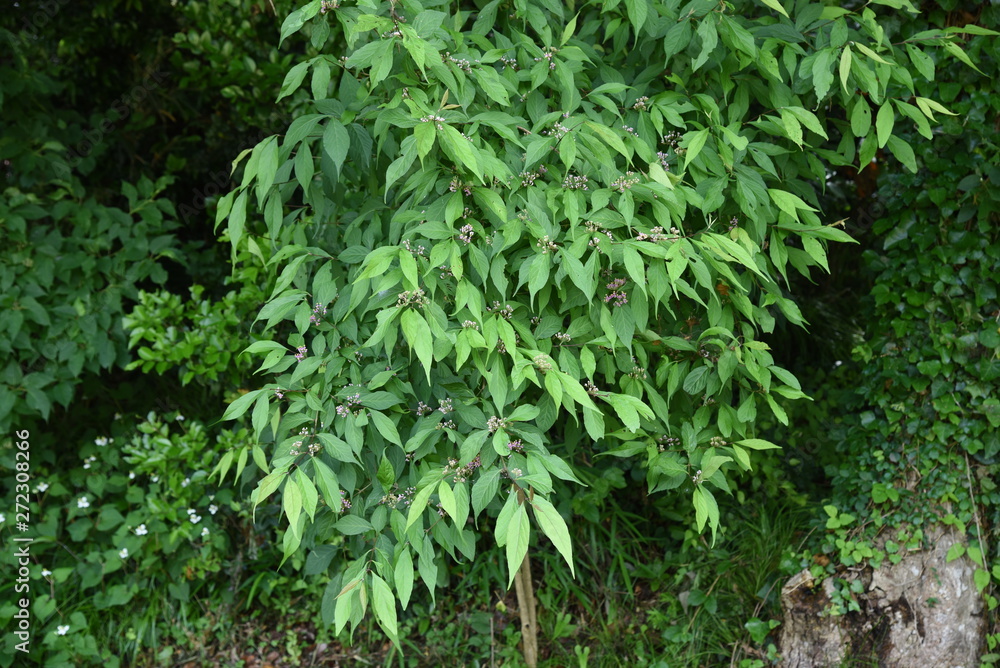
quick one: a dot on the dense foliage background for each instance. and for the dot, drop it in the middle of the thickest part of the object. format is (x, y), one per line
(124, 317)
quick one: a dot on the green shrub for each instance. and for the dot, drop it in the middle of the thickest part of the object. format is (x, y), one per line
(131, 536)
(518, 237)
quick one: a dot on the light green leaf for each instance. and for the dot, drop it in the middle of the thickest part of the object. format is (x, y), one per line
(518, 533)
(336, 142)
(883, 123)
(485, 489)
(293, 79)
(241, 405)
(460, 149)
(291, 502)
(553, 526)
(845, 67)
(758, 444)
(384, 425)
(695, 143)
(903, 153)
(418, 336)
(352, 525)
(775, 5)
(403, 575)
(384, 604)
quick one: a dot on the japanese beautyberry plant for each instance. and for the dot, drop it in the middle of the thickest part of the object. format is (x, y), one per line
(509, 237)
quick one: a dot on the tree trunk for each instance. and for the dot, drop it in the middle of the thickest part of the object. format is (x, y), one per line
(923, 611)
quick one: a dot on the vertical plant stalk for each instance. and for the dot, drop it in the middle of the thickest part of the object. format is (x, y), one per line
(526, 606)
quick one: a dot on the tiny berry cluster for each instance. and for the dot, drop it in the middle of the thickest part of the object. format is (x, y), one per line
(547, 245)
(345, 408)
(466, 234)
(457, 184)
(504, 312)
(419, 251)
(495, 423)
(548, 54)
(543, 363)
(412, 298)
(623, 183)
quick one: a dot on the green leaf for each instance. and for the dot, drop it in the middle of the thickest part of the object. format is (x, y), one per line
(460, 149)
(291, 502)
(695, 143)
(403, 576)
(336, 142)
(425, 488)
(883, 123)
(775, 5)
(954, 552)
(861, 117)
(845, 67)
(418, 336)
(310, 497)
(518, 533)
(293, 80)
(329, 486)
(523, 413)
(982, 579)
(553, 526)
(635, 267)
(903, 153)
(758, 444)
(447, 497)
(708, 32)
(352, 525)
(384, 604)
(706, 510)
(294, 21)
(822, 72)
(260, 415)
(384, 425)
(788, 202)
(609, 137)
(241, 405)
(923, 63)
(485, 489)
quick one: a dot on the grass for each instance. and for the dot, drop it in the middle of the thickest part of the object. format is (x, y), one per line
(647, 592)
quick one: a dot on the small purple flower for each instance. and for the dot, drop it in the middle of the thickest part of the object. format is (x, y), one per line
(619, 298)
(317, 315)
